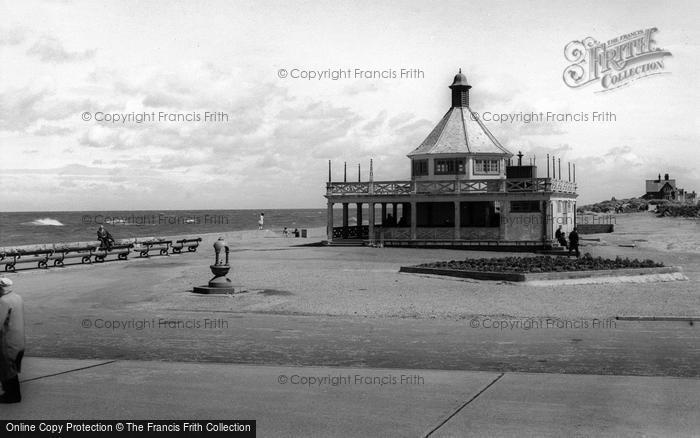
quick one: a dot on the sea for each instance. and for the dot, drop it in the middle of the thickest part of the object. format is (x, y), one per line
(28, 228)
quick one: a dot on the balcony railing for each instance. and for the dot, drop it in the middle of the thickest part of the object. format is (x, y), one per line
(396, 188)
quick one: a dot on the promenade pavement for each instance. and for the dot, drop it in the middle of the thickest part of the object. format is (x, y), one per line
(304, 401)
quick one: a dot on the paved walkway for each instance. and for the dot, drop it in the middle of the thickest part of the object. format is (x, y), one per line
(636, 348)
(362, 402)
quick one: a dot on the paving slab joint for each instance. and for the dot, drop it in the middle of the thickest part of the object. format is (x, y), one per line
(68, 371)
(459, 409)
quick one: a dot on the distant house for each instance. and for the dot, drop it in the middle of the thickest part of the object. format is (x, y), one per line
(666, 189)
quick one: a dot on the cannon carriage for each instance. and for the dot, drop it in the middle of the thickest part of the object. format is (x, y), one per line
(58, 254)
(190, 244)
(10, 257)
(73, 250)
(144, 245)
(121, 250)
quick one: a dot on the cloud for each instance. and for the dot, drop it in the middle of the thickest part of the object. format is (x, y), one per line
(422, 126)
(49, 49)
(400, 119)
(74, 169)
(106, 137)
(17, 106)
(49, 130)
(12, 37)
(360, 87)
(23, 107)
(375, 123)
(161, 99)
(269, 161)
(619, 150)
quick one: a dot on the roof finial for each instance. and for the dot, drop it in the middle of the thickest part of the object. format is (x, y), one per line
(460, 90)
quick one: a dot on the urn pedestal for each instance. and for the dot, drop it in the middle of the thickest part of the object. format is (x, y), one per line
(220, 284)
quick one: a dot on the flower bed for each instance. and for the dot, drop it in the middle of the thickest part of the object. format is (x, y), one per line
(542, 264)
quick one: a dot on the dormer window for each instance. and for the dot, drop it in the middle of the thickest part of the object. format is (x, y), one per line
(486, 167)
(450, 166)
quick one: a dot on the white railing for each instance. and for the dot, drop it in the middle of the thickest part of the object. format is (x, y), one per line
(391, 188)
(435, 233)
(396, 188)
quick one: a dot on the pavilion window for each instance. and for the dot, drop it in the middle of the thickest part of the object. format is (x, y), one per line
(524, 206)
(486, 167)
(479, 214)
(420, 167)
(461, 168)
(435, 214)
(450, 166)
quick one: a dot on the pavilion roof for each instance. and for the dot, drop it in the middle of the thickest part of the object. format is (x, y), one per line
(460, 131)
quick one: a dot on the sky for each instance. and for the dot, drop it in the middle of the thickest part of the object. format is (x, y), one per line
(62, 62)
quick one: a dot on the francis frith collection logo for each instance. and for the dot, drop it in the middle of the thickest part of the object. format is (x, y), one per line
(614, 63)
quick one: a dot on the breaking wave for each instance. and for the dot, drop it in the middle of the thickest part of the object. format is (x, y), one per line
(47, 221)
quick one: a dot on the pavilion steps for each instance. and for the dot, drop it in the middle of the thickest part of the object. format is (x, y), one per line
(555, 250)
(346, 242)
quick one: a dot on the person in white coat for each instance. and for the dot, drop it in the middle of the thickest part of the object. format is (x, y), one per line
(11, 341)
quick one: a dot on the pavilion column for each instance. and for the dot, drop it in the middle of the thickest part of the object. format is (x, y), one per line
(548, 221)
(383, 213)
(458, 221)
(359, 214)
(395, 210)
(329, 228)
(413, 220)
(345, 214)
(371, 222)
(503, 219)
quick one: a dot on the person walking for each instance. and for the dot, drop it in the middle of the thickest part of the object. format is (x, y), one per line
(261, 221)
(11, 341)
(573, 242)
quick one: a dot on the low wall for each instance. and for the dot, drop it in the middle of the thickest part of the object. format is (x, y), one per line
(595, 228)
(444, 233)
(478, 275)
(522, 276)
(523, 226)
(479, 233)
